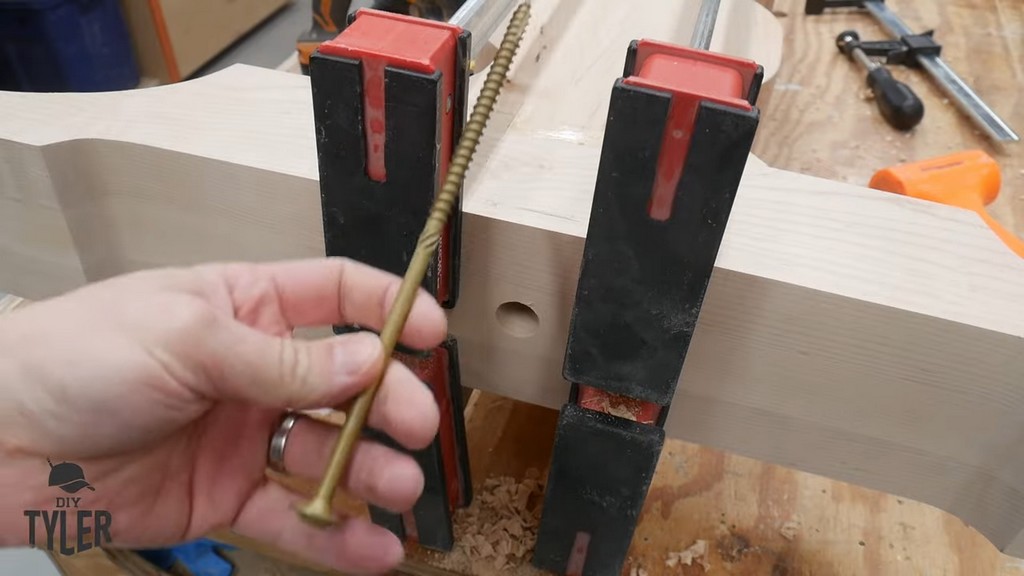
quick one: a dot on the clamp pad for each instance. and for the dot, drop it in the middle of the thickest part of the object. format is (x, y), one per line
(389, 96)
(680, 126)
(590, 507)
(643, 279)
(387, 115)
(445, 462)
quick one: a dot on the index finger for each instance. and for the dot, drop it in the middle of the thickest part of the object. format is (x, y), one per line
(331, 291)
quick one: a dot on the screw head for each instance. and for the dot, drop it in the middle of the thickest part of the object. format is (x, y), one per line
(318, 513)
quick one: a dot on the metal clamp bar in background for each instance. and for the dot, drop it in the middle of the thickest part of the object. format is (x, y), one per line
(948, 81)
(965, 98)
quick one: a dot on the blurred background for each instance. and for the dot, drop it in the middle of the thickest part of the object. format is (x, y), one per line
(102, 45)
(106, 45)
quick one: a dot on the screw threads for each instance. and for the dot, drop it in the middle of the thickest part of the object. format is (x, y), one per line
(442, 208)
(318, 511)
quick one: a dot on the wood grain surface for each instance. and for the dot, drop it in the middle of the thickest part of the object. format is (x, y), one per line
(820, 122)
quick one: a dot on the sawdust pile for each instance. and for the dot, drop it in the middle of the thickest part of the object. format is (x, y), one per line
(695, 553)
(499, 529)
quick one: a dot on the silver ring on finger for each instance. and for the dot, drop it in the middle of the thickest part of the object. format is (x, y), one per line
(278, 442)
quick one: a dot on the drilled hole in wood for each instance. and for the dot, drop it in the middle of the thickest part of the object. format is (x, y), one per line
(517, 319)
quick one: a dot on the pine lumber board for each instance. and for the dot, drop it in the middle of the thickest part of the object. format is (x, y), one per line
(842, 333)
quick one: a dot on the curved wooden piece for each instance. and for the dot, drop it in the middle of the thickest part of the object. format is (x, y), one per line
(859, 335)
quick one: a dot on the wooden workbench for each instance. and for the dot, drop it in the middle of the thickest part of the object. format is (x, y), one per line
(753, 517)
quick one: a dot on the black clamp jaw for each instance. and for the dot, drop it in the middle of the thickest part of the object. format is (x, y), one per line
(445, 463)
(903, 52)
(680, 125)
(387, 118)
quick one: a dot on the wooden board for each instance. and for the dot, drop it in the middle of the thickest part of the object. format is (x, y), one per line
(821, 123)
(842, 333)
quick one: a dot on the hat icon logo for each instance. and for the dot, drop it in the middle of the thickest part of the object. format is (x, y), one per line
(68, 476)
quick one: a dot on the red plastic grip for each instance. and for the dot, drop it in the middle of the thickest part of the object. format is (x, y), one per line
(691, 77)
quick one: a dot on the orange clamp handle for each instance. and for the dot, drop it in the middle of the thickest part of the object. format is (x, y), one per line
(968, 179)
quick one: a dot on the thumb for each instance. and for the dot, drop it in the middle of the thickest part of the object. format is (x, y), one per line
(294, 373)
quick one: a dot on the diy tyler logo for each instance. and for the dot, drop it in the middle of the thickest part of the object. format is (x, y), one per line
(91, 528)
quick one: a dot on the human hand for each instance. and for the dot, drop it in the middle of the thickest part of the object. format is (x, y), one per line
(166, 386)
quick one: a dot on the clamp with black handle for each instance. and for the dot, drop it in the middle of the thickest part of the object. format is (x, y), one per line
(899, 105)
(914, 50)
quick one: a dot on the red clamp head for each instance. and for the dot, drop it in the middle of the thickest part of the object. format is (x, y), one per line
(691, 77)
(381, 39)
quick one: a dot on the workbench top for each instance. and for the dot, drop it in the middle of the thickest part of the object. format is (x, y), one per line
(724, 514)
(821, 121)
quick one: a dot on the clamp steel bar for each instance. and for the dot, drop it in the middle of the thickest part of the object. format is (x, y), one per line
(704, 29)
(951, 84)
(481, 18)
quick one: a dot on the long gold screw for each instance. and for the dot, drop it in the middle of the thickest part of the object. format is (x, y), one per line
(318, 511)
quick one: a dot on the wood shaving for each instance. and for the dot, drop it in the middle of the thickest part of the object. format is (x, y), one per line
(789, 530)
(498, 530)
(619, 410)
(637, 571)
(695, 553)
